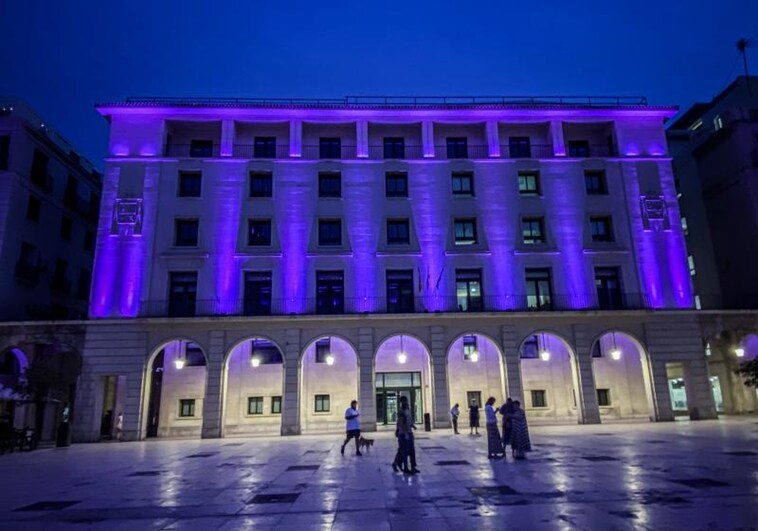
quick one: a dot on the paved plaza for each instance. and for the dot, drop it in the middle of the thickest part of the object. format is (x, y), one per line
(681, 475)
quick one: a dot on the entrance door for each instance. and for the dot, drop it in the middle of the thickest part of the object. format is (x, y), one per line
(154, 406)
(390, 387)
(109, 404)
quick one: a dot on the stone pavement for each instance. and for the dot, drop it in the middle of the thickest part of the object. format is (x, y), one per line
(682, 475)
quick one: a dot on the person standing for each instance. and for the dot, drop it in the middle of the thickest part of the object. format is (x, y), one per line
(520, 442)
(494, 442)
(402, 432)
(352, 427)
(406, 410)
(119, 426)
(473, 418)
(454, 413)
(505, 410)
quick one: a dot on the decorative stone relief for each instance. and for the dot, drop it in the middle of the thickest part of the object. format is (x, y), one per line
(654, 212)
(127, 217)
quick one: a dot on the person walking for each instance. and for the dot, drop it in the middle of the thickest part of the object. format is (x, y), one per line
(411, 424)
(119, 426)
(505, 410)
(352, 427)
(454, 413)
(473, 418)
(402, 432)
(520, 442)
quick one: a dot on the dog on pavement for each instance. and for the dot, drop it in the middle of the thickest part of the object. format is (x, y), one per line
(364, 443)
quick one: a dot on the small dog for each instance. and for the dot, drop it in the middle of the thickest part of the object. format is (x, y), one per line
(364, 443)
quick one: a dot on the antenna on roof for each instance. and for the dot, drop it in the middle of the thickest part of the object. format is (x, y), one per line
(742, 45)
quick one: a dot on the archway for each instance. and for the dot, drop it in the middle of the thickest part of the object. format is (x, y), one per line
(402, 367)
(745, 398)
(15, 409)
(549, 379)
(475, 372)
(254, 382)
(328, 383)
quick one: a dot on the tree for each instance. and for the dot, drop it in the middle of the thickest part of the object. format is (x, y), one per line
(749, 371)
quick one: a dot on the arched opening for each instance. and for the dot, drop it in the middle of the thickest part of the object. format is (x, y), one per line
(549, 379)
(402, 367)
(745, 398)
(622, 378)
(475, 373)
(254, 382)
(175, 387)
(16, 410)
(328, 383)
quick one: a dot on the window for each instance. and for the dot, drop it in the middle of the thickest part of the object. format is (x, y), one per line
(276, 405)
(38, 172)
(519, 147)
(394, 147)
(185, 234)
(5, 144)
(265, 352)
(69, 195)
(93, 208)
(579, 148)
(67, 225)
(330, 292)
(603, 397)
(469, 347)
(323, 349)
(182, 293)
(329, 184)
(261, 184)
(82, 289)
(457, 148)
(532, 230)
(465, 231)
(400, 291)
(718, 123)
(396, 184)
(474, 398)
(608, 286)
(685, 228)
(529, 183)
(322, 404)
(255, 405)
(468, 289)
(193, 355)
(257, 293)
(600, 229)
(530, 348)
(463, 183)
(330, 148)
(264, 147)
(538, 398)
(594, 183)
(691, 264)
(259, 232)
(187, 407)
(89, 241)
(398, 232)
(329, 232)
(538, 289)
(190, 183)
(201, 148)
(33, 208)
(59, 282)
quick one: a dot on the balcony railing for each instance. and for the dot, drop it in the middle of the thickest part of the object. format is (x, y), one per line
(193, 151)
(532, 151)
(251, 151)
(591, 151)
(315, 152)
(380, 152)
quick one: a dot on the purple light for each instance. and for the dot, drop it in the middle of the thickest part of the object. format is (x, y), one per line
(226, 220)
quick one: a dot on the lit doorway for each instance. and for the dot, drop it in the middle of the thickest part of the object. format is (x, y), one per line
(390, 388)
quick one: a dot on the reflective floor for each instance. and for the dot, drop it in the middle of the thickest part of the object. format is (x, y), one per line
(682, 475)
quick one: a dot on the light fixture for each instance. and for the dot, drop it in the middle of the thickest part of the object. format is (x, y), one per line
(402, 357)
(329, 359)
(544, 352)
(740, 352)
(255, 361)
(615, 352)
(179, 362)
(474, 356)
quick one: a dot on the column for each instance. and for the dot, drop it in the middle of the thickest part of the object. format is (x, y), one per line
(427, 139)
(556, 135)
(228, 134)
(85, 425)
(586, 394)
(296, 138)
(367, 396)
(135, 411)
(215, 375)
(291, 399)
(441, 398)
(697, 385)
(361, 139)
(493, 139)
(661, 395)
(512, 359)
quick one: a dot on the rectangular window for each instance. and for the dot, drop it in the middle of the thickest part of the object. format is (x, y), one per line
(691, 264)
(255, 405)
(538, 289)
(276, 405)
(264, 147)
(469, 347)
(261, 184)
(59, 281)
(322, 404)
(396, 184)
(33, 208)
(463, 183)
(265, 352)
(530, 348)
(608, 286)
(38, 173)
(594, 183)
(69, 194)
(194, 356)
(89, 241)
(474, 398)
(400, 291)
(468, 289)
(185, 233)
(398, 232)
(330, 232)
(323, 349)
(330, 148)
(257, 293)
(465, 231)
(520, 147)
(603, 397)
(528, 183)
(259, 232)
(5, 145)
(394, 147)
(182, 293)
(82, 289)
(67, 225)
(532, 230)
(578, 148)
(187, 407)
(93, 210)
(201, 148)
(539, 398)
(190, 183)
(329, 184)
(330, 292)
(457, 147)
(685, 227)
(601, 229)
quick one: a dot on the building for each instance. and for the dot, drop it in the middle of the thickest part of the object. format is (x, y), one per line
(260, 263)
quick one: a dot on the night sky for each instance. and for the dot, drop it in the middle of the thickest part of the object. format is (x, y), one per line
(64, 56)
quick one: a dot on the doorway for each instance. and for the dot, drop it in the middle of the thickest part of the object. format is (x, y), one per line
(390, 388)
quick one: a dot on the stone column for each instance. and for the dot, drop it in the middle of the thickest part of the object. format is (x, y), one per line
(512, 359)
(85, 426)
(427, 139)
(366, 383)
(213, 401)
(228, 135)
(135, 411)
(556, 136)
(296, 138)
(493, 139)
(361, 139)
(441, 397)
(697, 385)
(589, 410)
(661, 395)
(291, 399)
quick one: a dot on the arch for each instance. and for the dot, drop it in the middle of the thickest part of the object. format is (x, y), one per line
(744, 398)
(313, 340)
(16, 366)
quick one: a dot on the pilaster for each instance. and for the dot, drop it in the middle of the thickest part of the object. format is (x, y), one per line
(427, 139)
(215, 370)
(296, 138)
(441, 396)
(361, 139)
(291, 400)
(512, 360)
(228, 134)
(367, 398)
(556, 135)
(493, 139)
(589, 409)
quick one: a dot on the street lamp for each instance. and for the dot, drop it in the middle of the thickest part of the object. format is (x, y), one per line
(544, 352)
(402, 357)
(615, 352)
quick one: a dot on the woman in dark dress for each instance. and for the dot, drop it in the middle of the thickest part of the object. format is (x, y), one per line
(505, 410)
(520, 442)
(473, 418)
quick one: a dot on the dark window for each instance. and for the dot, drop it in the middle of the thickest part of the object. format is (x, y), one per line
(27, 250)
(264, 147)
(5, 144)
(187, 407)
(579, 148)
(529, 183)
(468, 289)
(185, 234)
(255, 405)
(465, 231)
(398, 232)
(82, 289)
(258, 293)
(93, 209)
(89, 241)
(603, 397)
(193, 356)
(457, 148)
(322, 404)
(594, 183)
(330, 292)
(201, 148)
(69, 195)
(38, 172)
(261, 184)
(400, 291)
(276, 405)
(463, 183)
(323, 349)
(608, 286)
(329, 184)
(396, 184)
(469, 347)
(329, 232)
(474, 398)
(259, 232)
(266, 352)
(182, 293)
(330, 148)
(59, 281)
(519, 147)
(33, 208)
(530, 348)
(597, 351)
(67, 225)
(394, 147)
(539, 399)
(532, 230)
(538, 289)
(190, 183)
(600, 229)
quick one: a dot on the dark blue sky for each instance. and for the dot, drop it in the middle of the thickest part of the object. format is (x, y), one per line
(64, 56)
